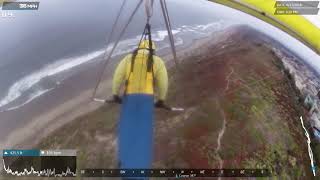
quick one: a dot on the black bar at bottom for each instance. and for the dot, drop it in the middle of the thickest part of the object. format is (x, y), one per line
(182, 173)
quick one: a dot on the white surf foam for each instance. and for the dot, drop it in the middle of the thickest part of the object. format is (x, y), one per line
(30, 98)
(25, 83)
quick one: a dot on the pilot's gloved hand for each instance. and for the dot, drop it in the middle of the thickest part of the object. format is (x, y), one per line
(117, 99)
(159, 104)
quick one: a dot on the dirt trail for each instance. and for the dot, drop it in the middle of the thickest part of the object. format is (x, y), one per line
(228, 80)
(221, 133)
(220, 136)
(224, 124)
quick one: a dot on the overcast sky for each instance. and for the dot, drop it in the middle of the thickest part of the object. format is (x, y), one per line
(32, 31)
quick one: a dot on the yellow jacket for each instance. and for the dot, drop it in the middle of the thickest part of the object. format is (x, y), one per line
(141, 81)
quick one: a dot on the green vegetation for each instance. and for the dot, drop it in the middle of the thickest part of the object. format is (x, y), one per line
(278, 160)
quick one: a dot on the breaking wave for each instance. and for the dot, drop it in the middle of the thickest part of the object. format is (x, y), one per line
(30, 98)
(27, 82)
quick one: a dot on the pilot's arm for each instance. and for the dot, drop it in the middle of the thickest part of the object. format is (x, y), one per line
(161, 79)
(119, 76)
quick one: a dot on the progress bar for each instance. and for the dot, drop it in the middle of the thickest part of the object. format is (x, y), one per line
(177, 173)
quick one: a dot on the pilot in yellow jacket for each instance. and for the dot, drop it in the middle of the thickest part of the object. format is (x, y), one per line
(140, 81)
(141, 76)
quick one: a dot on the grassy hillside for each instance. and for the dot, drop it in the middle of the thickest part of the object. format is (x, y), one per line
(243, 83)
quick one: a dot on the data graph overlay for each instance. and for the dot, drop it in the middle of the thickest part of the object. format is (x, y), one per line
(46, 163)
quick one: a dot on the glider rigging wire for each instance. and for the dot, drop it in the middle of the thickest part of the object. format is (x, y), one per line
(168, 26)
(149, 13)
(115, 44)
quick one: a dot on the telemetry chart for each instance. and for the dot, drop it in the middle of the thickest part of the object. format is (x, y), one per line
(46, 163)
